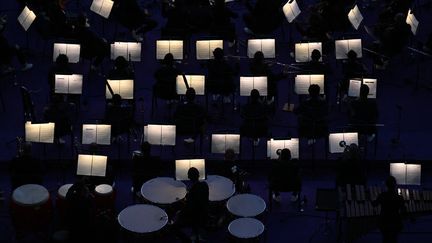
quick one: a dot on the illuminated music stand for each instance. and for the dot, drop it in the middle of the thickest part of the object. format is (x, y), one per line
(247, 84)
(183, 165)
(96, 134)
(336, 139)
(221, 142)
(275, 145)
(406, 174)
(194, 81)
(205, 48)
(175, 47)
(355, 17)
(412, 21)
(39, 133)
(102, 7)
(302, 82)
(266, 46)
(291, 11)
(303, 51)
(68, 84)
(125, 88)
(342, 47)
(162, 135)
(129, 50)
(26, 18)
(72, 51)
(355, 84)
(91, 165)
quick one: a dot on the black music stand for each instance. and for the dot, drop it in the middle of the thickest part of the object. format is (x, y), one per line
(326, 200)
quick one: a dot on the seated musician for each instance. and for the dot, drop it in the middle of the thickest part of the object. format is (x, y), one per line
(122, 69)
(92, 46)
(220, 78)
(285, 176)
(61, 113)
(119, 115)
(190, 117)
(255, 116)
(145, 167)
(392, 212)
(350, 167)
(80, 212)
(312, 116)
(259, 67)
(166, 76)
(222, 24)
(363, 113)
(129, 14)
(61, 66)
(194, 212)
(351, 68)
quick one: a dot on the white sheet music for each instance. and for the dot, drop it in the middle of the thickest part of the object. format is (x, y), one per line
(275, 144)
(26, 18)
(266, 46)
(222, 142)
(355, 17)
(354, 88)
(247, 84)
(39, 133)
(412, 21)
(303, 81)
(175, 47)
(91, 165)
(129, 50)
(161, 134)
(372, 84)
(182, 166)
(355, 84)
(72, 51)
(336, 138)
(303, 51)
(125, 88)
(194, 81)
(95, 133)
(406, 174)
(102, 7)
(291, 10)
(344, 46)
(68, 84)
(205, 48)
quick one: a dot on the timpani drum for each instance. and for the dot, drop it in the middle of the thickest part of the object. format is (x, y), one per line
(246, 205)
(163, 190)
(104, 197)
(61, 203)
(31, 207)
(245, 230)
(141, 221)
(220, 188)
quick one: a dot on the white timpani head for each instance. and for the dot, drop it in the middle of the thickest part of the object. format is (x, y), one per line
(142, 218)
(103, 189)
(30, 195)
(63, 190)
(246, 205)
(163, 190)
(220, 188)
(246, 228)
